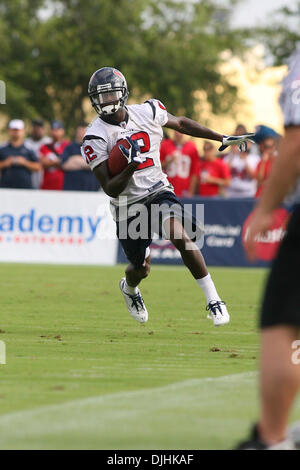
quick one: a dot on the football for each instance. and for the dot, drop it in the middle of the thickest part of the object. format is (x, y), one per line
(116, 160)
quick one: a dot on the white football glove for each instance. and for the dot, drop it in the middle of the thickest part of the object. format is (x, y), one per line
(239, 140)
(133, 154)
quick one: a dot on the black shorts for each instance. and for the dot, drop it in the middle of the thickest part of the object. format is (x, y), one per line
(281, 302)
(135, 248)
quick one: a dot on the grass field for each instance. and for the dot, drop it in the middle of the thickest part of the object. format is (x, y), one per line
(81, 373)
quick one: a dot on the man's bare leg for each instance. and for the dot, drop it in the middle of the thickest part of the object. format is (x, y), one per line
(194, 261)
(279, 381)
(191, 255)
(135, 275)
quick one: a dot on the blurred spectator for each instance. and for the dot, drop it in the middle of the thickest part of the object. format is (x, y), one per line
(240, 129)
(78, 176)
(214, 174)
(180, 160)
(37, 136)
(50, 155)
(17, 162)
(242, 169)
(243, 173)
(34, 142)
(268, 152)
(263, 132)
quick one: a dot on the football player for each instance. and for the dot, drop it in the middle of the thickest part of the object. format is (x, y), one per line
(144, 182)
(280, 313)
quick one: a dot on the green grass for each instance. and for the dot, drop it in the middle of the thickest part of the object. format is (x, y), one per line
(81, 373)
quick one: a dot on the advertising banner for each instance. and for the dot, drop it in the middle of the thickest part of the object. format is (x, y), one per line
(56, 227)
(225, 222)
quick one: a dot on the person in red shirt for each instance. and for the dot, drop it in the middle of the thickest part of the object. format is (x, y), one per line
(180, 161)
(214, 173)
(268, 151)
(50, 155)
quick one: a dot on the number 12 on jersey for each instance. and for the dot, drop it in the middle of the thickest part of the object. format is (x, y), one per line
(143, 141)
(89, 153)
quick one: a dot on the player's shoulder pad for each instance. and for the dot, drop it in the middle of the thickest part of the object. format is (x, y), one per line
(94, 131)
(155, 105)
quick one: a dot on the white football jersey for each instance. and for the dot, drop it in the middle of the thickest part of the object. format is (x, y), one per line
(144, 124)
(290, 95)
(290, 105)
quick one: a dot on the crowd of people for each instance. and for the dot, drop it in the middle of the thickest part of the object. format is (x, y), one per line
(44, 162)
(54, 162)
(233, 175)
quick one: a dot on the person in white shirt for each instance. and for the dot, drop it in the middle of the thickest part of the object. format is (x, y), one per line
(34, 142)
(242, 168)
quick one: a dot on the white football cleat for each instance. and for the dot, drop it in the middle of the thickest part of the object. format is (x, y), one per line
(135, 304)
(218, 312)
(294, 434)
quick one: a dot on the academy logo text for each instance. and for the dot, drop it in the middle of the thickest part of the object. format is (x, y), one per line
(32, 226)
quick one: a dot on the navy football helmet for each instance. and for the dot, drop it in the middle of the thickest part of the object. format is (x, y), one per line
(108, 91)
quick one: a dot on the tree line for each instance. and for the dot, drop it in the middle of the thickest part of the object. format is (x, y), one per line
(167, 49)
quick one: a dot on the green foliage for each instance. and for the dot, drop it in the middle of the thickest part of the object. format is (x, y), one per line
(282, 36)
(18, 21)
(166, 49)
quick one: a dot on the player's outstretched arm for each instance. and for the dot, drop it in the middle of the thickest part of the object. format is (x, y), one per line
(113, 186)
(190, 127)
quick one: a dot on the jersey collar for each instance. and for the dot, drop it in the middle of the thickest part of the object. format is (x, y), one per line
(125, 122)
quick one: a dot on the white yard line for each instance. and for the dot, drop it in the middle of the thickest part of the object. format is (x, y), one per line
(207, 412)
(5, 419)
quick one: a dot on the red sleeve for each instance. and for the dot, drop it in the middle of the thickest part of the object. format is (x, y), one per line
(195, 167)
(44, 150)
(267, 168)
(257, 168)
(225, 170)
(64, 144)
(166, 148)
(163, 150)
(200, 165)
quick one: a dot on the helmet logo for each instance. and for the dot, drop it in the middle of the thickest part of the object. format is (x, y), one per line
(116, 72)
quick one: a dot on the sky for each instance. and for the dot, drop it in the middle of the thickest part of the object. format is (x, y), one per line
(247, 13)
(257, 12)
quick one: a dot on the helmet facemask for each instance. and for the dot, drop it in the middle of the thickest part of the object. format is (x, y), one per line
(108, 100)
